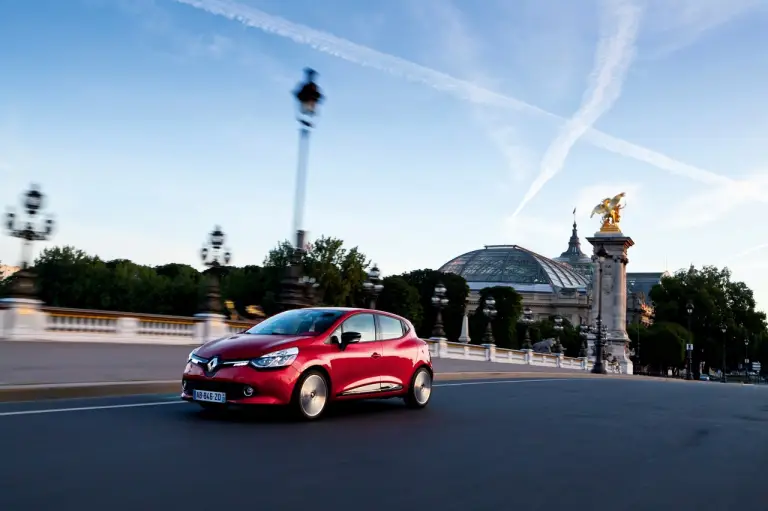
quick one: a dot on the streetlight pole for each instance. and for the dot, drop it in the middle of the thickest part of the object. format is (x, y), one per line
(723, 329)
(26, 230)
(559, 329)
(212, 258)
(490, 312)
(373, 286)
(599, 367)
(584, 334)
(439, 302)
(689, 347)
(309, 97)
(746, 357)
(527, 321)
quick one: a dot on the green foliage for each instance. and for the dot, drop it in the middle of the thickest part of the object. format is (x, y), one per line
(569, 336)
(424, 281)
(717, 301)
(508, 309)
(401, 298)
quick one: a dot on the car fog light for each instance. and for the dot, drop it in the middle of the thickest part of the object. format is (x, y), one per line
(248, 391)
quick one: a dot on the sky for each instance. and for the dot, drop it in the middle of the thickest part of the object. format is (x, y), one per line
(446, 126)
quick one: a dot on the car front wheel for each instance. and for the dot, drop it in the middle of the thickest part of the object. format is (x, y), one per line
(310, 397)
(420, 390)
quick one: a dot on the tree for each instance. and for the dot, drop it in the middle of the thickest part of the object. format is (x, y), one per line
(457, 291)
(663, 346)
(509, 306)
(717, 301)
(401, 298)
(569, 336)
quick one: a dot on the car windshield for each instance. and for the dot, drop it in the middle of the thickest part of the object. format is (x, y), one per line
(297, 322)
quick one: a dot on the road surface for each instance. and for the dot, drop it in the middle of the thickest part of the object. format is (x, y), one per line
(576, 444)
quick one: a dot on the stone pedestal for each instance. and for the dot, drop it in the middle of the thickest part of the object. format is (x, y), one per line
(464, 336)
(22, 320)
(212, 327)
(611, 297)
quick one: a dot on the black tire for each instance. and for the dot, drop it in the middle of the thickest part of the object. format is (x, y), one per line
(420, 381)
(311, 396)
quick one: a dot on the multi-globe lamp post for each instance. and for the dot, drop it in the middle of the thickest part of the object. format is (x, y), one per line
(308, 95)
(489, 310)
(558, 347)
(28, 231)
(439, 302)
(600, 329)
(584, 334)
(527, 320)
(214, 256)
(373, 286)
(689, 345)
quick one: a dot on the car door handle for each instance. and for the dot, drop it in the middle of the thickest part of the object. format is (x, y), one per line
(375, 355)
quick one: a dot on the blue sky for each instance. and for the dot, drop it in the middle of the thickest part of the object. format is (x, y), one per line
(447, 125)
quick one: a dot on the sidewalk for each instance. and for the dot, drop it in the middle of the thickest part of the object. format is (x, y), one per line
(29, 363)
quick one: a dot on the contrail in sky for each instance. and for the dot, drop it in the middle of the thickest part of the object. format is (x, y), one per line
(615, 53)
(368, 57)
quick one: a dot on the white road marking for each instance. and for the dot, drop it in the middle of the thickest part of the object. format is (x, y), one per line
(86, 408)
(492, 382)
(160, 403)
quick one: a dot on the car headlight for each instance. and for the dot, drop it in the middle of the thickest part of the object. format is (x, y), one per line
(189, 357)
(280, 358)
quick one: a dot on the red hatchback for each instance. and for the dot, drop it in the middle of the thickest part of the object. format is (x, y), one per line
(308, 358)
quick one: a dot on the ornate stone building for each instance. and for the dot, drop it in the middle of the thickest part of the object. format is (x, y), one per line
(550, 287)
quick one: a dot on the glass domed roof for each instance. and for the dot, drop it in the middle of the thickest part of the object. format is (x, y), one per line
(514, 266)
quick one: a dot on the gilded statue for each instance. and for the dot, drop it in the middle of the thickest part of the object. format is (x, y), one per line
(610, 211)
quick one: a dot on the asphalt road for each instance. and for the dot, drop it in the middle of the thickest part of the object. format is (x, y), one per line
(580, 444)
(88, 362)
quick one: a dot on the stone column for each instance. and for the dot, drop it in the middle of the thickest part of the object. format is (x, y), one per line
(464, 336)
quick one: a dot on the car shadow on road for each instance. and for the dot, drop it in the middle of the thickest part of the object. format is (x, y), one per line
(282, 415)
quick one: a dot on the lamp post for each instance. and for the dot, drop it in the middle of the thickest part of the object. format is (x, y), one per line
(723, 329)
(212, 257)
(599, 366)
(310, 286)
(490, 312)
(309, 97)
(527, 321)
(584, 334)
(559, 329)
(637, 316)
(689, 346)
(439, 301)
(746, 357)
(28, 231)
(373, 286)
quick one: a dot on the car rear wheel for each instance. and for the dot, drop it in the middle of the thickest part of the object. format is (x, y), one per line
(420, 390)
(311, 395)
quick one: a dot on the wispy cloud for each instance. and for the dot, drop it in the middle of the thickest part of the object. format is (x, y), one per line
(467, 91)
(750, 251)
(614, 55)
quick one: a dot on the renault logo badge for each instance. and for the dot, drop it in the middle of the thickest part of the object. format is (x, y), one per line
(213, 364)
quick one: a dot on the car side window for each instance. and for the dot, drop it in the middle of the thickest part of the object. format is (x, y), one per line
(390, 328)
(363, 324)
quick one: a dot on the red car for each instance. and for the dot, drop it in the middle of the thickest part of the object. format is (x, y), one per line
(308, 358)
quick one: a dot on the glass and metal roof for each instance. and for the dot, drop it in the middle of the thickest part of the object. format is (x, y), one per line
(514, 266)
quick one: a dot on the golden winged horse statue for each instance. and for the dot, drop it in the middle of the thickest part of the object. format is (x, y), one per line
(610, 211)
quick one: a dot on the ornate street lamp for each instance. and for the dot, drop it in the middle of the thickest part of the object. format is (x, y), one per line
(490, 312)
(723, 329)
(558, 348)
(28, 231)
(584, 334)
(212, 257)
(527, 320)
(308, 96)
(746, 357)
(599, 367)
(373, 286)
(439, 302)
(689, 346)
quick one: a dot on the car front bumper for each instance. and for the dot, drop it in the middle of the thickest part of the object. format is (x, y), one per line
(267, 387)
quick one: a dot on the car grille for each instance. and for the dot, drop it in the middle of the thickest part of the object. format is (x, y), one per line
(231, 389)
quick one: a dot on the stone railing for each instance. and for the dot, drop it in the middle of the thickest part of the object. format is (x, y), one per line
(29, 321)
(490, 353)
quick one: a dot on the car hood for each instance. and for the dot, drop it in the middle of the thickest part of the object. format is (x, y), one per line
(246, 346)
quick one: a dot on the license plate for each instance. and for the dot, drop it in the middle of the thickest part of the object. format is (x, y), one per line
(212, 397)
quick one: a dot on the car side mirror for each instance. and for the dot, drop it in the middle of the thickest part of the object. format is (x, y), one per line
(350, 338)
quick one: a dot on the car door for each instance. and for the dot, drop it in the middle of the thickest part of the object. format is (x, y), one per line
(397, 353)
(356, 369)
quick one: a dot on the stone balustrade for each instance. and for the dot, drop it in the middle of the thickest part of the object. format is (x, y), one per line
(28, 320)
